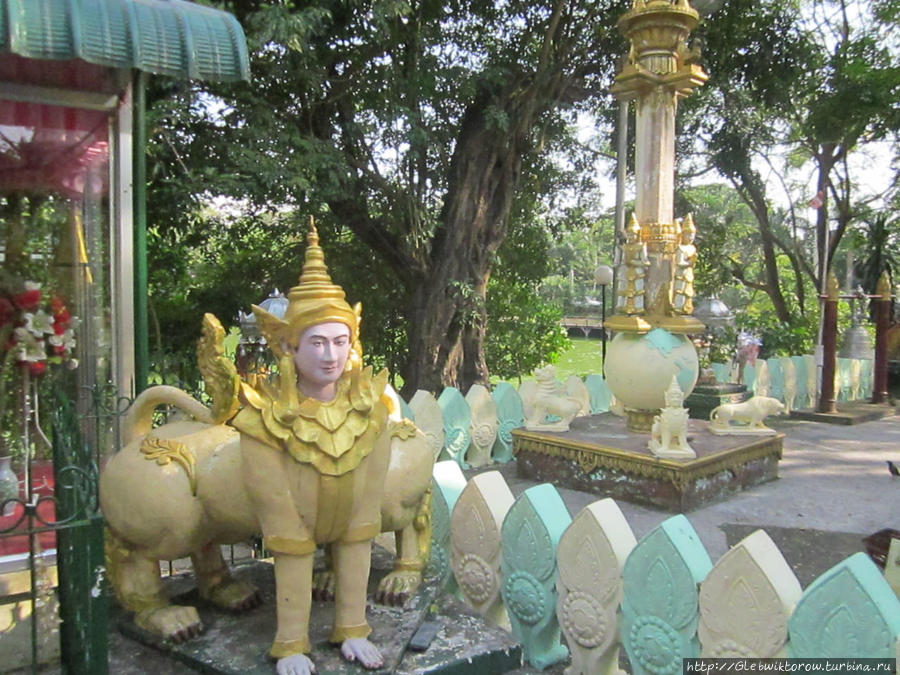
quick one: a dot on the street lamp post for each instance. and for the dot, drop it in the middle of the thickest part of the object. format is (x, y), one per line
(604, 277)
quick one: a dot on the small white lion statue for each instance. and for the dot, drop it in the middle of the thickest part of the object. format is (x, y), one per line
(548, 399)
(746, 417)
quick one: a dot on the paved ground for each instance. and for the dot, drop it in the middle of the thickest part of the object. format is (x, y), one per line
(834, 489)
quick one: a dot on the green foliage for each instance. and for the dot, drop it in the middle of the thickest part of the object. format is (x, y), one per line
(779, 339)
(387, 120)
(580, 246)
(524, 329)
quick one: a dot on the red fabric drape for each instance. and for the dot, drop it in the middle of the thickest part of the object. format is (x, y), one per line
(53, 148)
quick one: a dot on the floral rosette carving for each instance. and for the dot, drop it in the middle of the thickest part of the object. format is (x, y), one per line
(525, 597)
(584, 619)
(729, 649)
(505, 430)
(483, 435)
(476, 578)
(435, 442)
(457, 441)
(655, 645)
(439, 564)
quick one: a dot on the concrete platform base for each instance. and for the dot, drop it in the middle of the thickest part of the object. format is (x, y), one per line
(600, 455)
(238, 644)
(848, 412)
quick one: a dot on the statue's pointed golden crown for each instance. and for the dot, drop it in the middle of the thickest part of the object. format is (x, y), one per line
(314, 300)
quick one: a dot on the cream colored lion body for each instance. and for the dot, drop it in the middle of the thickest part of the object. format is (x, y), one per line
(749, 414)
(178, 490)
(547, 399)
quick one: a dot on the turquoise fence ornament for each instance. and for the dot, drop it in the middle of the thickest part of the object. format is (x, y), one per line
(850, 611)
(531, 533)
(457, 425)
(601, 396)
(660, 611)
(510, 415)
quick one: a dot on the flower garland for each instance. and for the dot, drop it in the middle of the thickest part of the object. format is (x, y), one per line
(40, 332)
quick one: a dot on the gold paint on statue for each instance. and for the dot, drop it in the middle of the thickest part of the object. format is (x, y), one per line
(333, 436)
(680, 473)
(166, 451)
(219, 373)
(314, 300)
(660, 237)
(404, 429)
(320, 455)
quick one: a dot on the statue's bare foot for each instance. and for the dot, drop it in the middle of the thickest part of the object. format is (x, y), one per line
(295, 664)
(396, 587)
(174, 622)
(323, 585)
(234, 595)
(360, 649)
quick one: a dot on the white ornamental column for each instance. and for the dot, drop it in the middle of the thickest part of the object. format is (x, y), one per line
(655, 280)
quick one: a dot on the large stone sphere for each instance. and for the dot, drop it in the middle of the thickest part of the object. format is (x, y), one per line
(639, 368)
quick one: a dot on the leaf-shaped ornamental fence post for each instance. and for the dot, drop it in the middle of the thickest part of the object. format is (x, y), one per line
(528, 390)
(789, 371)
(750, 376)
(762, 382)
(746, 601)
(439, 563)
(457, 422)
(802, 398)
(866, 374)
(722, 372)
(406, 411)
(855, 379)
(660, 610)
(531, 533)
(842, 379)
(590, 557)
(510, 415)
(850, 611)
(776, 378)
(811, 379)
(575, 388)
(483, 429)
(475, 540)
(449, 484)
(601, 396)
(429, 419)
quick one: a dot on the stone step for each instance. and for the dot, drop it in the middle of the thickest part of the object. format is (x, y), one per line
(238, 644)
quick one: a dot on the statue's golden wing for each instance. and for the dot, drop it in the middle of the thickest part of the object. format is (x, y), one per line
(219, 373)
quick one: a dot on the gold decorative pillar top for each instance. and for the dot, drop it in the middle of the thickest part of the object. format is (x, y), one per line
(661, 68)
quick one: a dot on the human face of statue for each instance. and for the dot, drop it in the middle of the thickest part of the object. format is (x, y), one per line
(320, 358)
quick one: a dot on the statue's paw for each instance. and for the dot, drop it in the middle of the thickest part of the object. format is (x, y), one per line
(323, 585)
(234, 595)
(360, 649)
(175, 622)
(396, 587)
(295, 664)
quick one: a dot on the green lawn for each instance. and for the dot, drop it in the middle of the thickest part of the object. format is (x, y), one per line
(582, 359)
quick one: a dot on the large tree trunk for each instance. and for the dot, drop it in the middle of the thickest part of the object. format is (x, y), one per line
(448, 321)
(750, 187)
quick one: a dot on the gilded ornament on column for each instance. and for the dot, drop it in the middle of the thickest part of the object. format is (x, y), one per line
(632, 271)
(685, 255)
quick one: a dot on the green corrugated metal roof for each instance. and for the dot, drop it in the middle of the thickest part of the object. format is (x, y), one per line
(167, 37)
